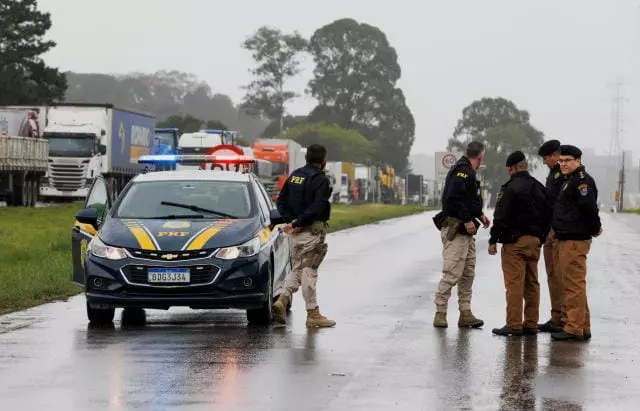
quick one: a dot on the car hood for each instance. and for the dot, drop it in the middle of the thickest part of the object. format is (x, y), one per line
(177, 235)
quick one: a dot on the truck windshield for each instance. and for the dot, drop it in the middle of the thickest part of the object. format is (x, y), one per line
(188, 199)
(164, 143)
(70, 144)
(278, 168)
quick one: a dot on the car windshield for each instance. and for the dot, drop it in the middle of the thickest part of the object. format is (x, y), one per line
(185, 199)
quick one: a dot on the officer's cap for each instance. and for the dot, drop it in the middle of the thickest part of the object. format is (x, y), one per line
(549, 147)
(569, 150)
(515, 157)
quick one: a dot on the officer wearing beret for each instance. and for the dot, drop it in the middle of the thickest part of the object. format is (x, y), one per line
(575, 222)
(521, 222)
(550, 153)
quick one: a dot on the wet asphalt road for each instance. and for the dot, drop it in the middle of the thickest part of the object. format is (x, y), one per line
(378, 284)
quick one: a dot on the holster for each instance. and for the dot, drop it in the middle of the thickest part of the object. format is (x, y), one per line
(319, 227)
(439, 220)
(454, 225)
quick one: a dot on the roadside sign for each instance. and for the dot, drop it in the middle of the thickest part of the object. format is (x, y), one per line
(444, 160)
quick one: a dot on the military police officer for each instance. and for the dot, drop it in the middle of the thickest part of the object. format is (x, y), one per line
(304, 203)
(550, 153)
(575, 222)
(461, 208)
(521, 221)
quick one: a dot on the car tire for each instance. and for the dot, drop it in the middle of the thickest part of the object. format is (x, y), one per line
(100, 315)
(263, 315)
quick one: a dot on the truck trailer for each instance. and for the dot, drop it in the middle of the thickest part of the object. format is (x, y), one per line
(23, 154)
(87, 140)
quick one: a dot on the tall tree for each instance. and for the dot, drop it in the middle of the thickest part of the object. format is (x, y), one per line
(277, 56)
(503, 128)
(24, 76)
(355, 84)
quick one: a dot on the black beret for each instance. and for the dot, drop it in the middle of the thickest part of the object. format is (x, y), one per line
(514, 158)
(549, 147)
(569, 150)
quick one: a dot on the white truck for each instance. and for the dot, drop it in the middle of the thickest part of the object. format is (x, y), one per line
(90, 140)
(23, 154)
(201, 142)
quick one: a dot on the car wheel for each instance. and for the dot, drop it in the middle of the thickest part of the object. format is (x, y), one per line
(100, 315)
(263, 315)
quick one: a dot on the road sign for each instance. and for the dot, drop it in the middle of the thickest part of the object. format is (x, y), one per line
(444, 160)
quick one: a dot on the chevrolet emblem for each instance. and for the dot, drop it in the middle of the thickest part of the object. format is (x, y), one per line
(169, 256)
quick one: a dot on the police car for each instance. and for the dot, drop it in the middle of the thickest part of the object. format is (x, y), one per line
(205, 239)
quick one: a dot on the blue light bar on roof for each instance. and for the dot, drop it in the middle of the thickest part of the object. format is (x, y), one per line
(194, 158)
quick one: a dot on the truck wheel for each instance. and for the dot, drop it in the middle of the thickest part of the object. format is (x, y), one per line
(100, 315)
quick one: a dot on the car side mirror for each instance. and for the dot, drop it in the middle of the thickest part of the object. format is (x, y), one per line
(102, 149)
(88, 216)
(275, 217)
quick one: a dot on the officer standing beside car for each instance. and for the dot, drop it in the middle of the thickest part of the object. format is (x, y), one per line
(304, 204)
(575, 222)
(521, 222)
(550, 153)
(457, 222)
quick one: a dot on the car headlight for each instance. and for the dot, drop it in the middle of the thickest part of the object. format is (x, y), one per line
(247, 249)
(100, 249)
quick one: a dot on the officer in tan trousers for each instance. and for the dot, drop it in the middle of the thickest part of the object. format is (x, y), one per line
(576, 221)
(521, 222)
(550, 153)
(304, 203)
(458, 223)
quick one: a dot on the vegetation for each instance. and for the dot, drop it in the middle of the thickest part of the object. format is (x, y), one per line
(503, 128)
(35, 248)
(24, 77)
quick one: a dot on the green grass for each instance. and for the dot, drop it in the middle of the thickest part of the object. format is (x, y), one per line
(35, 248)
(632, 210)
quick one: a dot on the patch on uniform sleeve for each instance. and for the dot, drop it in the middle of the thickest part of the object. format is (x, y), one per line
(557, 175)
(463, 175)
(499, 196)
(584, 189)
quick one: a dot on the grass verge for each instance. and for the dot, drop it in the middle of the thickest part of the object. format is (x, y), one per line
(35, 248)
(632, 211)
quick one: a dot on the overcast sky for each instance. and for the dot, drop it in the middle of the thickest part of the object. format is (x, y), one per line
(553, 58)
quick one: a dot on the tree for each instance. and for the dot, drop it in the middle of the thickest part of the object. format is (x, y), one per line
(341, 144)
(190, 124)
(277, 56)
(24, 77)
(503, 128)
(273, 129)
(355, 84)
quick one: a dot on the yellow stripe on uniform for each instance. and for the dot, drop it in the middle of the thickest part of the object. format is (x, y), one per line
(141, 235)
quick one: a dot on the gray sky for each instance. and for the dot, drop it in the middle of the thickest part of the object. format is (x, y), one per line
(553, 58)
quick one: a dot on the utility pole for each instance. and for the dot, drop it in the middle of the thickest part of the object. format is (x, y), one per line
(615, 142)
(621, 187)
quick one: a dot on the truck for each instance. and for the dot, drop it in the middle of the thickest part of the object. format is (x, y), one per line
(23, 154)
(165, 141)
(343, 174)
(365, 186)
(88, 140)
(201, 142)
(285, 156)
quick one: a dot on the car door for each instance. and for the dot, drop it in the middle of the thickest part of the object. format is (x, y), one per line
(280, 241)
(100, 199)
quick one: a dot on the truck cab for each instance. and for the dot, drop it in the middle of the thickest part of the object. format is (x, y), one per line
(165, 141)
(201, 142)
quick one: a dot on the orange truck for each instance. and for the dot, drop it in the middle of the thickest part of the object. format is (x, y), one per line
(284, 155)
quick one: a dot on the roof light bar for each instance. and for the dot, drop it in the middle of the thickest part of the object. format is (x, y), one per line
(190, 158)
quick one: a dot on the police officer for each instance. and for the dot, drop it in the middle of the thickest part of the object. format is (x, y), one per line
(575, 222)
(550, 153)
(457, 222)
(521, 222)
(304, 204)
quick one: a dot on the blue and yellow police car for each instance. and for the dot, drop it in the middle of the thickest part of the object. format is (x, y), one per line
(205, 239)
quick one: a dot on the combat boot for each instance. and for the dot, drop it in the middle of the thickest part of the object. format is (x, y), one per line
(279, 309)
(440, 320)
(315, 319)
(467, 319)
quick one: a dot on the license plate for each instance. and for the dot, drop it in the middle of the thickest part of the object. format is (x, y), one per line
(169, 275)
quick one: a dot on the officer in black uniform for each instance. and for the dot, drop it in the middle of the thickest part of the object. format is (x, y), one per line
(576, 221)
(458, 223)
(550, 153)
(304, 204)
(521, 222)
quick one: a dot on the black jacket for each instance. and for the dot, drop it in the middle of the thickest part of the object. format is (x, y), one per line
(576, 214)
(305, 197)
(555, 179)
(461, 194)
(522, 209)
